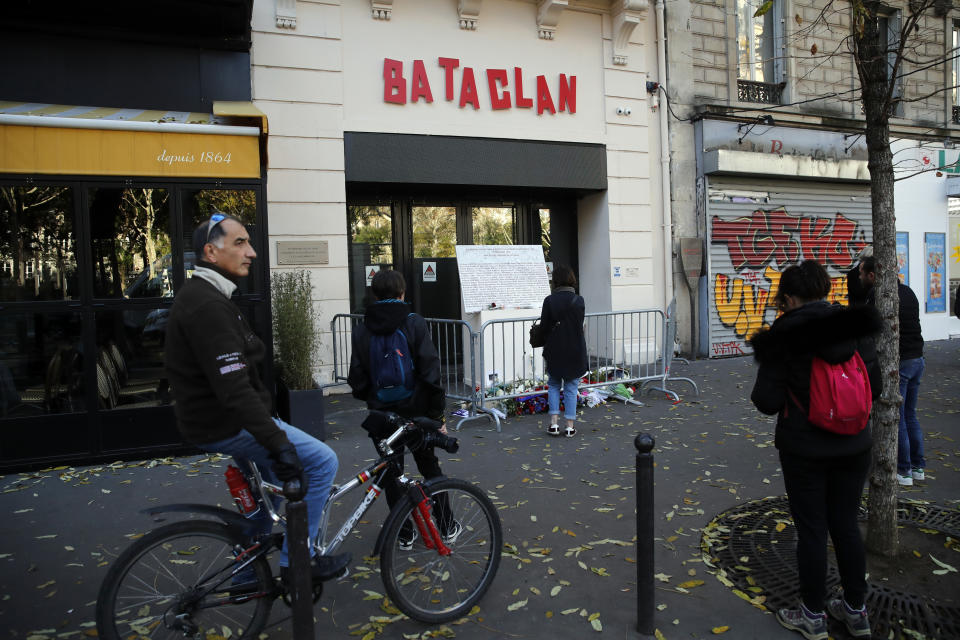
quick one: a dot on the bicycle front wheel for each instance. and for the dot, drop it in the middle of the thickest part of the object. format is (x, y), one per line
(435, 588)
(176, 582)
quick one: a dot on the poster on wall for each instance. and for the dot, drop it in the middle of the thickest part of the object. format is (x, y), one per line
(934, 248)
(903, 257)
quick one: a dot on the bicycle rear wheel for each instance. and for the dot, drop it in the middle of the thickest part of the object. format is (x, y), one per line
(435, 588)
(176, 582)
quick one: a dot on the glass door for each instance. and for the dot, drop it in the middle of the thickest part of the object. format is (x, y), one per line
(435, 285)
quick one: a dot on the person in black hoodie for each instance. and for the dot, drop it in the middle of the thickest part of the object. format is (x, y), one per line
(213, 359)
(389, 313)
(910, 460)
(824, 472)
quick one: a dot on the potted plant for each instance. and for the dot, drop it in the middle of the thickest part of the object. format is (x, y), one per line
(296, 347)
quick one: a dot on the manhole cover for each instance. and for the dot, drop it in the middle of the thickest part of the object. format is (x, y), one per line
(753, 548)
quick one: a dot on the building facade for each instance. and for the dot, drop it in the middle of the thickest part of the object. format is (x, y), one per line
(769, 162)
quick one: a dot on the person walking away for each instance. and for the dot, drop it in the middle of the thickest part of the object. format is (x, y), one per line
(566, 349)
(910, 460)
(824, 472)
(212, 360)
(390, 319)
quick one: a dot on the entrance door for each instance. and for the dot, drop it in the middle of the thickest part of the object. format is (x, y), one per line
(435, 280)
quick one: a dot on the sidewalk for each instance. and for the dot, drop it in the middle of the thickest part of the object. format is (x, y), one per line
(567, 508)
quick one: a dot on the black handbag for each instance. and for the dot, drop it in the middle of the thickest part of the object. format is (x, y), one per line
(538, 335)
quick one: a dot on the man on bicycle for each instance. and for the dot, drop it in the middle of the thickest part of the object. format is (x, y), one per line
(389, 314)
(212, 361)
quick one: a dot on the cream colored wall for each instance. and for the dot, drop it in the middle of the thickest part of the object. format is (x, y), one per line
(325, 77)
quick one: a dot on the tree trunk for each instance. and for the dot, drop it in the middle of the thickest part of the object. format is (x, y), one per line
(882, 534)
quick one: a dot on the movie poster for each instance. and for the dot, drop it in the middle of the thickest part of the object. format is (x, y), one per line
(934, 248)
(903, 257)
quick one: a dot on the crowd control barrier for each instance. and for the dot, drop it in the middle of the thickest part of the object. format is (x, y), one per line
(482, 369)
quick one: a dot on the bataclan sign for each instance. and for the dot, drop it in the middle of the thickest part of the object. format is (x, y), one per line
(503, 94)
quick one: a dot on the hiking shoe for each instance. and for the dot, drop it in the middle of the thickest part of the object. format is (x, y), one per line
(904, 481)
(813, 626)
(856, 620)
(406, 539)
(322, 568)
(917, 474)
(453, 532)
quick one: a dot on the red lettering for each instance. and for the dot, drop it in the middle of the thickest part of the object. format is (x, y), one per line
(776, 146)
(523, 103)
(394, 86)
(544, 99)
(498, 101)
(468, 89)
(449, 64)
(568, 93)
(419, 84)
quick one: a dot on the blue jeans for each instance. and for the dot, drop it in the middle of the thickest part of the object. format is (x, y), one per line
(569, 396)
(319, 467)
(910, 449)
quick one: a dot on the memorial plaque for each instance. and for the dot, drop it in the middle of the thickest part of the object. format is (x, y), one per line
(303, 252)
(502, 277)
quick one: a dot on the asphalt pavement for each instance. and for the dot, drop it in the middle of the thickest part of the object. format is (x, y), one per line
(567, 507)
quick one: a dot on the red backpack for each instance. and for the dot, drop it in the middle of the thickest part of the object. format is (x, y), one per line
(840, 395)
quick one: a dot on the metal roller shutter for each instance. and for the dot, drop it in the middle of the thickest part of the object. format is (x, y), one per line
(757, 228)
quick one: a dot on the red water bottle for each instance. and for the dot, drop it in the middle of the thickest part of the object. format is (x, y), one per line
(240, 490)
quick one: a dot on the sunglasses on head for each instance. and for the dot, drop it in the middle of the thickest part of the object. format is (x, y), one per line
(215, 219)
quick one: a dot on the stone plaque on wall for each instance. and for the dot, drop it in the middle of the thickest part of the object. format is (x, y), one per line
(300, 252)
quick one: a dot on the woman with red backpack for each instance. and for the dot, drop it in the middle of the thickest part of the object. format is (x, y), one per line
(823, 440)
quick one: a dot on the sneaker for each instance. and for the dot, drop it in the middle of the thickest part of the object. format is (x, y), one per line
(856, 620)
(813, 626)
(322, 567)
(904, 481)
(917, 474)
(453, 532)
(406, 539)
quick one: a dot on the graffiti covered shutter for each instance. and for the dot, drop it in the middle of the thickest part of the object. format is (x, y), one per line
(759, 227)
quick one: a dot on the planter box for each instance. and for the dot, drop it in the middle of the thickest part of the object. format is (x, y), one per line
(303, 409)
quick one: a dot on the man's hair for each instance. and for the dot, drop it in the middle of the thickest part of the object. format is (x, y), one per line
(563, 276)
(388, 284)
(807, 281)
(216, 234)
(869, 264)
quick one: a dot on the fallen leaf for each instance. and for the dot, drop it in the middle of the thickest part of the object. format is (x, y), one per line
(517, 605)
(719, 630)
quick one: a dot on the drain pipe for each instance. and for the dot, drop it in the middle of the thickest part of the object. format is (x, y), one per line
(665, 163)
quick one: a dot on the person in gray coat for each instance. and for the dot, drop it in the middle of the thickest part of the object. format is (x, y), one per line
(566, 348)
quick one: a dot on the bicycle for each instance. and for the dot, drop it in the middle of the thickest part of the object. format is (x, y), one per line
(212, 578)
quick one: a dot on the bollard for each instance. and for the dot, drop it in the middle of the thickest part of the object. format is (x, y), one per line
(298, 553)
(645, 568)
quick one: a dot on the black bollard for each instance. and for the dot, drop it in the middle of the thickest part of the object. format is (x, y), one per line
(644, 445)
(298, 553)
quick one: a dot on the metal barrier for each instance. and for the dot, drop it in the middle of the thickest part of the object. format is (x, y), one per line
(669, 338)
(622, 347)
(456, 345)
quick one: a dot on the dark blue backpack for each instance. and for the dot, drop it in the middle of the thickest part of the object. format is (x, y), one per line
(391, 367)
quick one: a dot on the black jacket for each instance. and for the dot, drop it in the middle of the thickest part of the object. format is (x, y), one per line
(566, 348)
(785, 352)
(212, 360)
(383, 318)
(911, 339)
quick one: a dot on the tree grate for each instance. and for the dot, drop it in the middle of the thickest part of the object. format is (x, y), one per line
(753, 549)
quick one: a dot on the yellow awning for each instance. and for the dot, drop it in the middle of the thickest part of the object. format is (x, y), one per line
(70, 140)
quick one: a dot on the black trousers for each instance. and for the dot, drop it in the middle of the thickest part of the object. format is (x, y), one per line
(824, 496)
(429, 467)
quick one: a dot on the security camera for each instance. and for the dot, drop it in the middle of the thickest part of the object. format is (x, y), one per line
(627, 111)
(620, 111)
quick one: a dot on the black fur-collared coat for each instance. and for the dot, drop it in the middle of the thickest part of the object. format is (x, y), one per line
(785, 352)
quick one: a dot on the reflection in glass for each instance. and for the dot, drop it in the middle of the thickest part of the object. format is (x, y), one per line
(371, 243)
(199, 205)
(41, 364)
(129, 363)
(434, 232)
(131, 243)
(755, 50)
(37, 243)
(492, 225)
(545, 233)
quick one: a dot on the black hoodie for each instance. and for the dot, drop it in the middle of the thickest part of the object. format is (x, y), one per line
(785, 352)
(383, 318)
